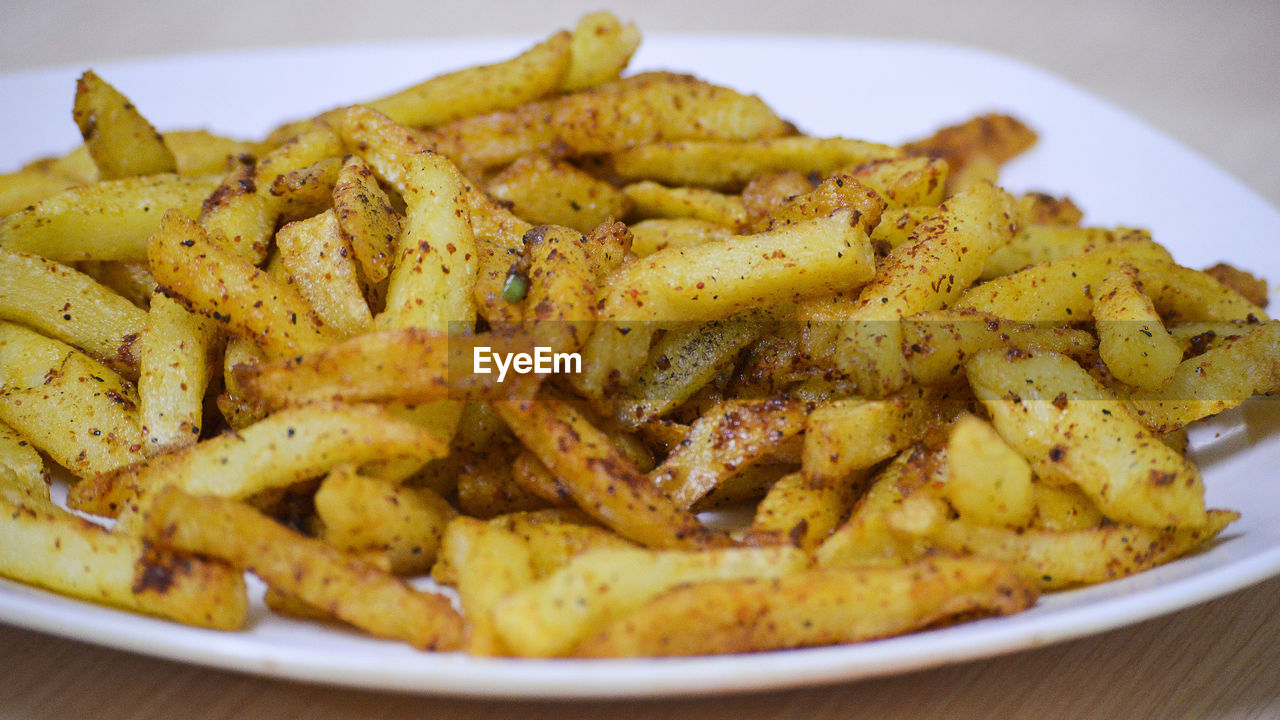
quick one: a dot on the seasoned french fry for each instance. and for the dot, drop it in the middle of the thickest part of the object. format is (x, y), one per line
(662, 233)
(601, 481)
(362, 514)
(601, 47)
(109, 220)
(816, 607)
(651, 200)
(730, 164)
(75, 409)
(308, 569)
(1131, 337)
(1071, 429)
(552, 615)
(368, 222)
(121, 141)
(44, 545)
(287, 447)
(988, 483)
(473, 91)
(20, 465)
(174, 370)
(209, 280)
(70, 306)
(542, 190)
(319, 264)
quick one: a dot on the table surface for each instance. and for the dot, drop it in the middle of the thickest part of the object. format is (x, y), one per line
(1206, 73)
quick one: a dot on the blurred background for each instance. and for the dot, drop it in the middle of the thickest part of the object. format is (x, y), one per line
(1207, 73)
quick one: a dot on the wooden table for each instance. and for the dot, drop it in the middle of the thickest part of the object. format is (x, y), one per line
(1205, 74)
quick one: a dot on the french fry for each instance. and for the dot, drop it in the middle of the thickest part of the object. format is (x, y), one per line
(21, 465)
(287, 447)
(601, 481)
(602, 46)
(68, 305)
(552, 615)
(362, 514)
(1071, 429)
(651, 200)
(1132, 340)
(319, 263)
(816, 607)
(728, 438)
(490, 562)
(473, 91)
(804, 510)
(542, 190)
(731, 164)
(175, 366)
(366, 218)
(73, 408)
(108, 220)
(988, 483)
(213, 282)
(44, 545)
(121, 141)
(321, 576)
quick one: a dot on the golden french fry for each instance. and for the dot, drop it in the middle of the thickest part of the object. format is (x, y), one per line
(319, 263)
(213, 282)
(286, 447)
(816, 607)
(988, 483)
(651, 200)
(44, 545)
(175, 366)
(317, 574)
(542, 190)
(1132, 340)
(121, 141)
(601, 47)
(601, 480)
(552, 615)
(730, 164)
(78, 411)
(109, 220)
(1072, 429)
(368, 222)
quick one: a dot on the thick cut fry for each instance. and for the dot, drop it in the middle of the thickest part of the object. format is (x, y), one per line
(1221, 378)
(560, 303)
(652, 200)
(70, 306)
(78, 411)
(841, 190)
(904, 182)
(601, 480)
(213, 282)
(817, 607)
(20, 465)
(533, 74)
(363, 514)
(287, 447)
(1071, 429)
(988, 483)
(662, 233)
(727, 439)
(938, 343)
(995, 138)
(1063, 507)
(108, 220)
(866, 538)
(946, 256)
(43, 545)
(657, 106)
(804, 511)
(368, 222)
(318, 260)
(792, 263)
(315, 573)
(1053, 560)
(174, 369)
(683, 361)
(552, 615)
(1061, 291)
(729, 164)
(433, 278)
(602, 46)
(1034, 244)
(121, 141)
(542, 190)
(1132, 340)
(489, 563)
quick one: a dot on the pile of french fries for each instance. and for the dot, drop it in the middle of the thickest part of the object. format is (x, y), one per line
(934, 400)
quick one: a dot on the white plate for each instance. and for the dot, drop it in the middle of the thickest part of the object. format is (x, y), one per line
(1117, 169)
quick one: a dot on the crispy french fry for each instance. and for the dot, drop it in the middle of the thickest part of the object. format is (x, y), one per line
(121, 141)
(817, 607)
(287, 447)
(174, 369)
(321, 576)
(319, 263)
